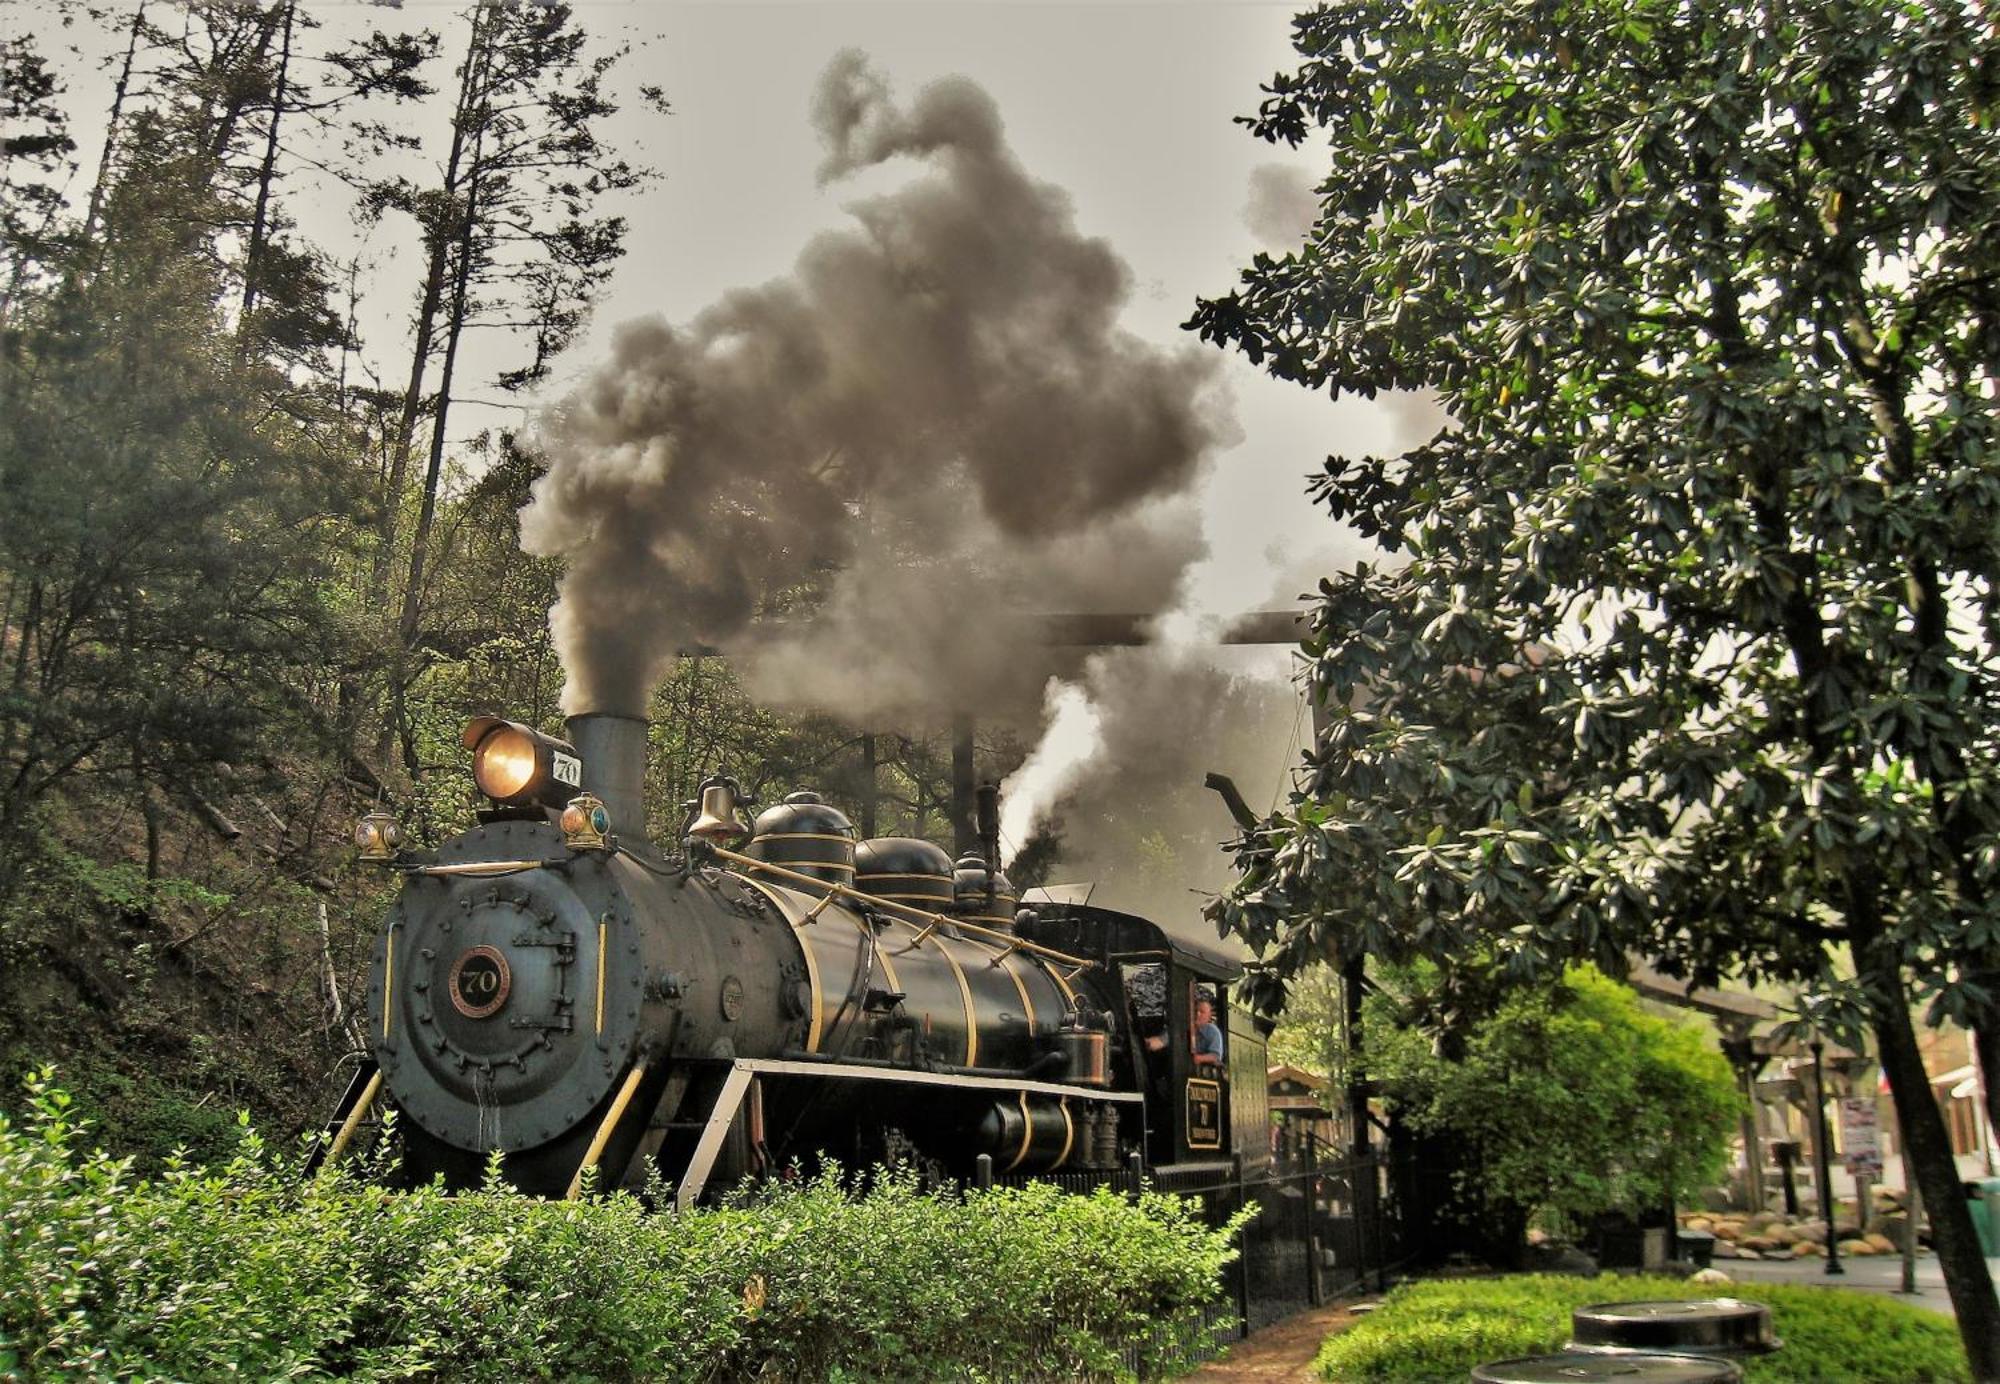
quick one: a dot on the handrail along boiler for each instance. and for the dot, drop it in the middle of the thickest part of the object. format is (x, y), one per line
(552, 986)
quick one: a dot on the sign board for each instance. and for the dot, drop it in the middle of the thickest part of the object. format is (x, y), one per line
(1860, 1142)
(1204, 1114)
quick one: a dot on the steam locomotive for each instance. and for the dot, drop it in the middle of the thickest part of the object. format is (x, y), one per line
(554, 987)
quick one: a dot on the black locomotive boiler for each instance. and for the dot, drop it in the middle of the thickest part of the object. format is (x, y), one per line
(553, 987)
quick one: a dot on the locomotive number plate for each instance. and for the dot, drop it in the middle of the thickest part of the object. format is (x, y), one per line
(480, 981)
(1204, 1114)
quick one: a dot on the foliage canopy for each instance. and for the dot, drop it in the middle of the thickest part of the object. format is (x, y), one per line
(1690, 648)
(1568, 1100)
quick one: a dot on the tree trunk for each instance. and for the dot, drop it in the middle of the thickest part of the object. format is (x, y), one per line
(471, 79)
(266, 172)
(1927, 1147)
(118, 91)
(406, 629)
(442, 239)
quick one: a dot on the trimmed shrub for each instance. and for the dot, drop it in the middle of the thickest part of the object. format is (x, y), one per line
(245, 1269)
(1440, 1330)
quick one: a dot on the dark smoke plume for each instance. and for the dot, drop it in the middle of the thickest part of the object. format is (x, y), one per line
(938, 406)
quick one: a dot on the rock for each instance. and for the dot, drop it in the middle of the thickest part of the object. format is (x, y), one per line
(1857, 1247)
(1729, 1230)
(1845, 1228)
(1559, 1258)
(1890, 1223)
(1882, 1244)
(1815, 1233)
(1709, 1276)
(1761, 1244)
(1748, 1254)
(1781, 1234)
(1726, 1249)
(1806, 1248)
(1699, 1223)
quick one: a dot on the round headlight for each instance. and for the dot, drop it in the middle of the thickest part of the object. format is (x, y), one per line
(505, 763)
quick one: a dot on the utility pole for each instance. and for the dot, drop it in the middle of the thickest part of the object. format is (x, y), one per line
(1820, 1156)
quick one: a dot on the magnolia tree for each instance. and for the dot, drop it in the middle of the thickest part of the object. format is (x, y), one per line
(1688, 646)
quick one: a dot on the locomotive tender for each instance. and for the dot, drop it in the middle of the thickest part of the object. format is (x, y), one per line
(552, 986)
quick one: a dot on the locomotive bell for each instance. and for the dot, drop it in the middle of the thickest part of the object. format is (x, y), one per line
(717, 823)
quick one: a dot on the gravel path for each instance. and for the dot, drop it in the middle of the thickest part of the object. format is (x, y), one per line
(1282, 1351)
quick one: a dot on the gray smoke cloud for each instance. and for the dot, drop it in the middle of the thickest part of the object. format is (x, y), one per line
(948, 618)
(936, 417)
(1281, 207)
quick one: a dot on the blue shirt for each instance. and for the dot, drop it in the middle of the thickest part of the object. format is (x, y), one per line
(1207, 1039)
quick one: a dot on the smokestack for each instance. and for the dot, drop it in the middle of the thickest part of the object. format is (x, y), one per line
(964, 831)
(613, 750)
(988, 801)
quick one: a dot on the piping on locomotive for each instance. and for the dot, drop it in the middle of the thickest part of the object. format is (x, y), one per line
(553, 987)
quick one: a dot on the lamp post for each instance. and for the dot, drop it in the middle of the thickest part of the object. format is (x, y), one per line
(1820, 1151)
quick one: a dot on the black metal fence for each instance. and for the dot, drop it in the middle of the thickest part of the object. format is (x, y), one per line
(1322, 1228)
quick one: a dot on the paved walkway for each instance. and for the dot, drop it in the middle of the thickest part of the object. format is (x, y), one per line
(1873, 1274)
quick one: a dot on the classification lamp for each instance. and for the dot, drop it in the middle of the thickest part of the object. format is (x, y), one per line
(376, 837)
(518, 766)
(586, 826)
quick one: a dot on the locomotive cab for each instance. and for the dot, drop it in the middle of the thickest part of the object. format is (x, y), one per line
(1197, 1113)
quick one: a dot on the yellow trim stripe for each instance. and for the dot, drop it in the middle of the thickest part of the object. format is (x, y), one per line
(799, 926)
(881, 954)
(388, 981)
(1061, 984)
(609, 1123)
(944, 880)
(1027, 1005)
(803, 836)
(354, 1118)
(600, 975)
(1069, 1133)
(964, 993)
(1027, 1135)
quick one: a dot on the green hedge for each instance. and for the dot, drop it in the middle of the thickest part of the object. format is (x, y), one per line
(1438, 1331)
(246, 1270)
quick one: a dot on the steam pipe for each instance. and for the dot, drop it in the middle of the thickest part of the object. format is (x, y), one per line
(613, 750)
